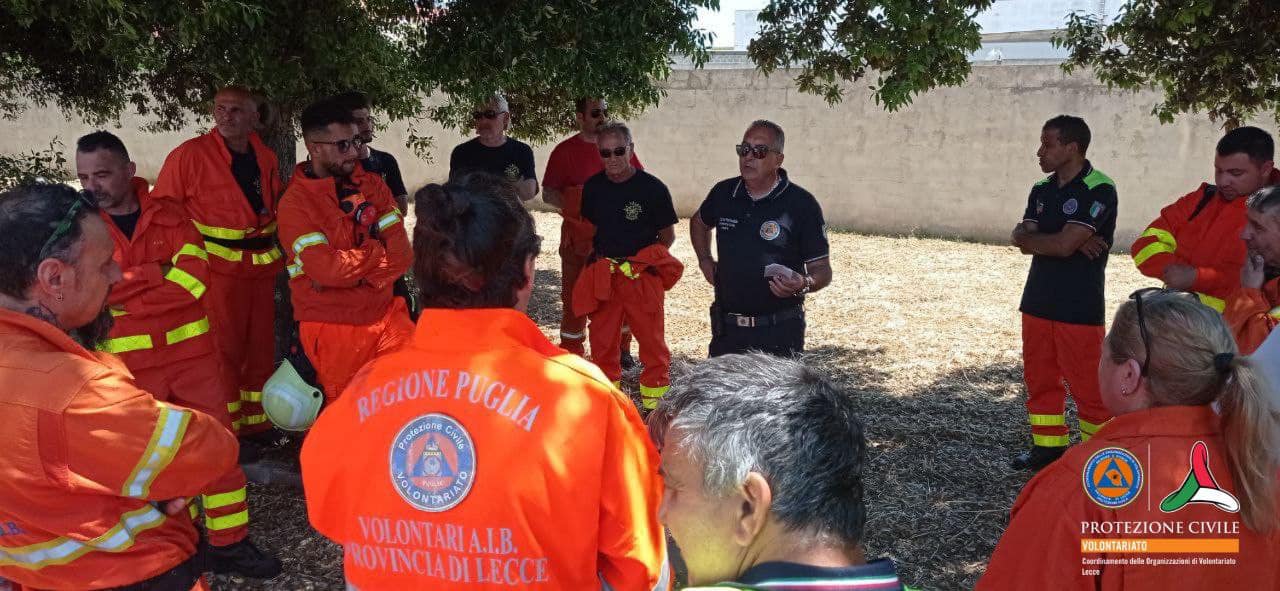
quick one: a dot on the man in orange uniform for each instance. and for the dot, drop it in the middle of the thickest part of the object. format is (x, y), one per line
(96, 470)
(161, 331)
(482, 456)
(1253, 309)
(1195, 243)
(1067, 227)
(571, 163)
(630, 266)
(229, 181)
(347, 246)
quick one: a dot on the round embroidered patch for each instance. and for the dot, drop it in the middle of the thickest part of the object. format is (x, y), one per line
(1070, 206)
(770, 230)
(433, 462)
(1112, 477)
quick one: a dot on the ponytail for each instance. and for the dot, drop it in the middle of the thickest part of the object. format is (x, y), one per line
(1250, 429)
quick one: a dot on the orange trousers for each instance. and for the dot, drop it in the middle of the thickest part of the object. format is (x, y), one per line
(645, 315)
(1060, 358)
(338, 351)
(573, 329)
(200, 383)
(242, 313)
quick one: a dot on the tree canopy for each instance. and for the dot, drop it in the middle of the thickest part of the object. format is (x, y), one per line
(1220, 57)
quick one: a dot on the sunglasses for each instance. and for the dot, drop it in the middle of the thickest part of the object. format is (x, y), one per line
(1147, 292)
(599, 113)
(344, 145)
(619, 151)
(486, 114)
(758, 150)
(84, 200)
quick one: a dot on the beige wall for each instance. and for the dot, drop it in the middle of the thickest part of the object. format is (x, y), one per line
(957, 162)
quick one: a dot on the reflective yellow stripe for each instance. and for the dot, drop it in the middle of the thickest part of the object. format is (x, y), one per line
(116, 312)
(223, 252)
(223, 233)
(165, 439)
(253, 420)
(58, 551)
(1046, 420)
(237, 424)
(191, 250)
(120, 345)
(1050, 440)
(388, 220)
(624, 266)
(234, 407)
(224, 499)
(187, 331)
(1151, 250)
(1161, 236)
(650, 395)
(227, 521)
(1274, 313)
(266, 258)
(295, 269)
(1212, 302)
(188, 282)
(268, 229)
(1089, 428)
(192, 510)
(307, 240)
(251, 396)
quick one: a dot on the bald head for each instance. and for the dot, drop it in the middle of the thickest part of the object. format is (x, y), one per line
(235, 113)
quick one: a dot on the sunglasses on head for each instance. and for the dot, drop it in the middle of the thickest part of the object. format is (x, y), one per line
(486, 114)
(1148, 292)
(619, 151)
(758, 150)
(344, 145)
(84, 200)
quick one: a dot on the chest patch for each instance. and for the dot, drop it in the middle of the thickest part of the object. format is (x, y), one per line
(1070, 206)
(512, 171)
(770, 230)
(632, 211)
(1039, 207)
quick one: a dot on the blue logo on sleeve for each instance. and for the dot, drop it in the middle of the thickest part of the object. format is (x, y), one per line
(433, 462)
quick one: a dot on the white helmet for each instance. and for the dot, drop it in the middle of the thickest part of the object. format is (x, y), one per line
(291, 403)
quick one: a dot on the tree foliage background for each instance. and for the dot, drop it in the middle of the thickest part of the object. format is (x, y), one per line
(1220, 57)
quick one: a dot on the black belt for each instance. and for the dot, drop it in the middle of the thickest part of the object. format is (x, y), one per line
(745, 321)
(254, 243)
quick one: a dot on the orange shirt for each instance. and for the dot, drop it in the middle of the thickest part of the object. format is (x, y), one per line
(158, 314)
(338, 273)
(85, 453)
(1252, 313)
(1042, 547)
(239, 240)
(482, 456)
(1210, 242)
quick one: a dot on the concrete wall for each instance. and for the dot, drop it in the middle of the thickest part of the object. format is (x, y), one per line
(957, 162)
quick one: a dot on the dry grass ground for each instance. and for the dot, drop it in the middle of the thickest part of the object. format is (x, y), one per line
(923, 333)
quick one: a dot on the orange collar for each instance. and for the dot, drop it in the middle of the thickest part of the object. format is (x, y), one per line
(476, 328)
(15, 324)
(1163, 421)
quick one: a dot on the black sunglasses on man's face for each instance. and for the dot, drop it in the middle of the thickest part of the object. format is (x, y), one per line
(486, 114)
(619, 152)
(758, 151)
(599, 113)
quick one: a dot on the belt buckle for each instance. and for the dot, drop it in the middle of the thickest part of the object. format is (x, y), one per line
(745, 321)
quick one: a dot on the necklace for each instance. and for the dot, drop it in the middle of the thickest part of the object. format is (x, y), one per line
(766, 193)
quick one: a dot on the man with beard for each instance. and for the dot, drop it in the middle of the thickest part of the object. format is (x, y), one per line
(96, 470)
(347, 245)
(161, 331)
(1253, 309)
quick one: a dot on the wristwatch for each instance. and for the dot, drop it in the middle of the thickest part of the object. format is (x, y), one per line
(808, 286)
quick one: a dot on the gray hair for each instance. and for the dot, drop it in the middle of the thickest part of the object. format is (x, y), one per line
(615, 128)
(1264, 199)
(499, 103)
(758, 413)
(779, 138)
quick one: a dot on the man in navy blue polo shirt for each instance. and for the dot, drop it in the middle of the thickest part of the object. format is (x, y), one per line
(771, 246)
(762, 461)
(1068, 227)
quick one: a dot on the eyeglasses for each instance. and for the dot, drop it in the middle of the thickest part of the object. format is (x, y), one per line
(84, 200)
(599, 113)
(344, 145)
(758, 150)
(619, 151)
(486, 114)
(1137, 296)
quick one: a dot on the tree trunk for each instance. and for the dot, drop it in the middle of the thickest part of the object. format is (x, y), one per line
(279, 135)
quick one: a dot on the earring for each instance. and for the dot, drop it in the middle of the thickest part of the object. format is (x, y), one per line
(1124, 391)
(59, 297)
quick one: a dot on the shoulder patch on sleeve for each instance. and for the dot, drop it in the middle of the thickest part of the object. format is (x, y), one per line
(1097, 177)
(1043, 181)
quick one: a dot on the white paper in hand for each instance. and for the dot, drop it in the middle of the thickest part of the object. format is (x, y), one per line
(781, 271)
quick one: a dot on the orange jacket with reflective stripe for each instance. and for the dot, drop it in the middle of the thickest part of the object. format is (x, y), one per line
(85, 452)
(1252, 313)
(491, 459)
(198, 174)
(158, 314)
(652, 270)
(1210, 242)
(337, 272)
(1042, 547)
